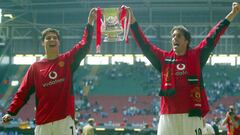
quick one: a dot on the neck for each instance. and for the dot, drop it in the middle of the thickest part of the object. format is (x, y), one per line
(180, 53)
(51, 55)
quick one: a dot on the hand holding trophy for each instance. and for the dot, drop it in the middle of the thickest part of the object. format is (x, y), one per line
(92, 16)
(130, 14)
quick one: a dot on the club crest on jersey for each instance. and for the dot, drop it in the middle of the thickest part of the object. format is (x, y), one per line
(61, 63)
(52, 75)
(196, 94)
(181, 66)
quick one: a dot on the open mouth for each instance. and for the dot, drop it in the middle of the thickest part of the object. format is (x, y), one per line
(52, 45)
(175, 44)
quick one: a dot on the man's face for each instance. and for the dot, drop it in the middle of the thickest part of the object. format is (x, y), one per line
(51, 42)
(179, 42)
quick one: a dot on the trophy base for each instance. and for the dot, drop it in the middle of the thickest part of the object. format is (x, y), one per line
(112, 39)
(113, 36)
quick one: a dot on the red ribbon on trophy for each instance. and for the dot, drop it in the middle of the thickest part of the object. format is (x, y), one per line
(98, 29)
(125, 22)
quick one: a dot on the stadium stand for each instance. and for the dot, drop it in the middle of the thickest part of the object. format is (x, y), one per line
(128, 90)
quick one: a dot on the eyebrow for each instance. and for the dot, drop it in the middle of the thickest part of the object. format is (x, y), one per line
(51, 36)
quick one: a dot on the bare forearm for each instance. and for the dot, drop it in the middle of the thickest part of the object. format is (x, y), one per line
(225, 121)
(92, 16)
(231, 16)
(233, 13)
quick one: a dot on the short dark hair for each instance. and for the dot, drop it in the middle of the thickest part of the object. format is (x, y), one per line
(185, 32)
(47, 30)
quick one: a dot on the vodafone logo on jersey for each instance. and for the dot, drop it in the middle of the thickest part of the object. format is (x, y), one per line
(181, 69)
(181, 66)
(52, 75)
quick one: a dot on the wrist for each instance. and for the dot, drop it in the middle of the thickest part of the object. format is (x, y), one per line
(90, 21)
(133, 20)
(234, 12)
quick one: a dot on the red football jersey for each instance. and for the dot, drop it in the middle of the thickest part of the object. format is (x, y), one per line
(51, 80)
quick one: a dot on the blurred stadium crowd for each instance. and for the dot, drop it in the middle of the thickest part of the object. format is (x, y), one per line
(124, 95)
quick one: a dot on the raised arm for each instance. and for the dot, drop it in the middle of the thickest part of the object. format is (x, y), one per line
(80, 50)
(226, 119)
(211, 40)
(152, 52)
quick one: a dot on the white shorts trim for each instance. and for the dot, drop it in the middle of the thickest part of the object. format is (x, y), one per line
(64, 126)
(179, 124)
